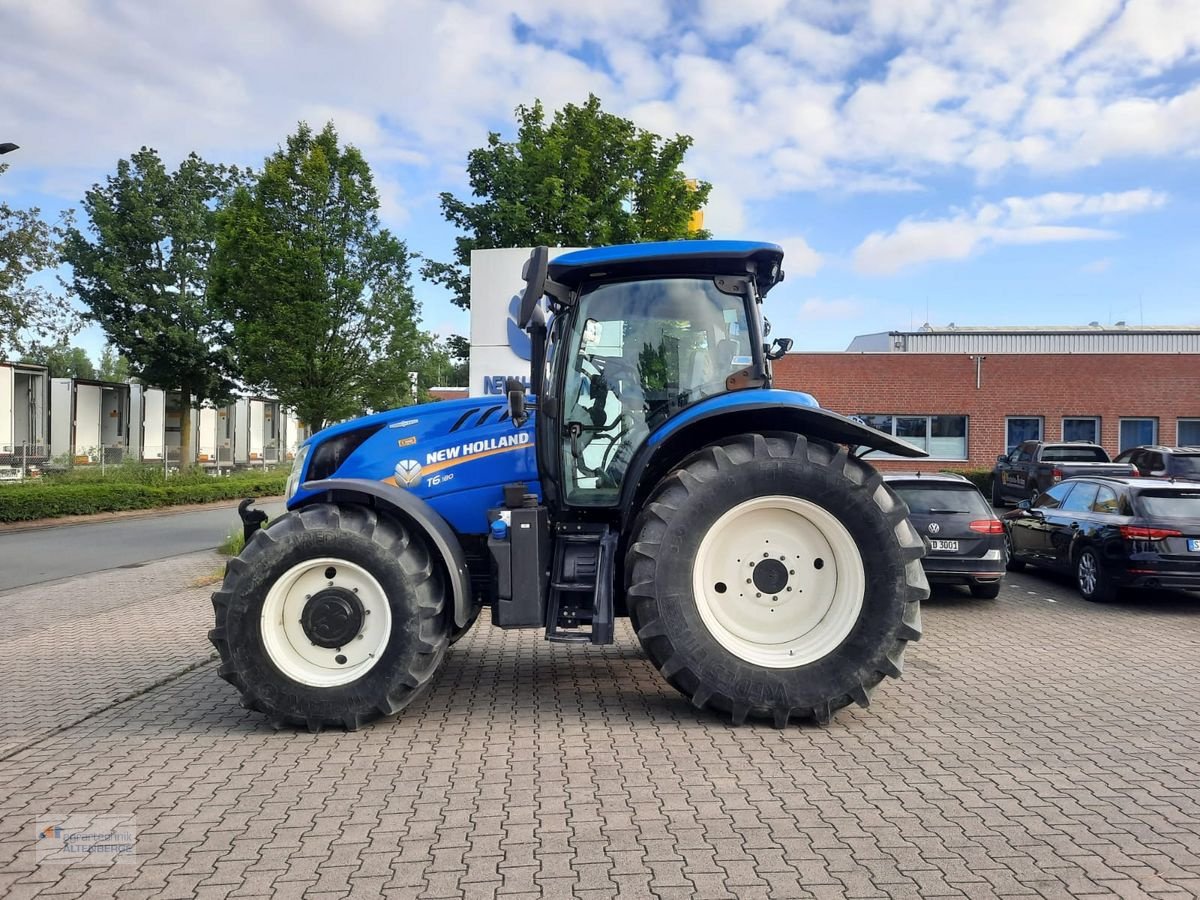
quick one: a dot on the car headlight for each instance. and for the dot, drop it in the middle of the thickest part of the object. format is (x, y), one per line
(293, 482)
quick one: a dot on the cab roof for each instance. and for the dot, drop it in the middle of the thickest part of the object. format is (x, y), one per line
(671, 258)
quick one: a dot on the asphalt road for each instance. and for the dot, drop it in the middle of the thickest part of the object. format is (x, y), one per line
(47, 554)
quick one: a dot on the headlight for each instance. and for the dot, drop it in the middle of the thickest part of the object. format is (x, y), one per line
(293, 482)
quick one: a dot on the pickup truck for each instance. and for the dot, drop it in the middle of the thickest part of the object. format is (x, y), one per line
(1036, 466)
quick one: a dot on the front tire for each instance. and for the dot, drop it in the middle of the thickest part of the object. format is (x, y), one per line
(749, 588)
(997, 494)
(332, 616)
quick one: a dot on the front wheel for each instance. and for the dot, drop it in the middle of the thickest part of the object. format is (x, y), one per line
(997, 494)
(1093, 583)
(330, 617)
(775, 576)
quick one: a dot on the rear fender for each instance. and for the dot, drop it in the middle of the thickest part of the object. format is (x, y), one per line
(412, 511)
(739, 413)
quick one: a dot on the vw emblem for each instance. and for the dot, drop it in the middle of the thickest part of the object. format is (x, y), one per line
(408, 471)
(934, 527)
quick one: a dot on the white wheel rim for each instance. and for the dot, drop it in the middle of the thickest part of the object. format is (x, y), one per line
(824, 572)
(290, 647)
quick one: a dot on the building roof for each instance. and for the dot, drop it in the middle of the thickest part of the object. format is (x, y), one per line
(1091, 338)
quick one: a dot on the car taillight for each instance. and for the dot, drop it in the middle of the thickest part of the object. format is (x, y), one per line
(987, 526)
(1056, 474)
(1142, 533)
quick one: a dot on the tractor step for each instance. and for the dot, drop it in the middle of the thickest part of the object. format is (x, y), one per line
(581, 585)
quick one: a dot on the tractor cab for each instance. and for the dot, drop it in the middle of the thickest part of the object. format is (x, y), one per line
(636, 335)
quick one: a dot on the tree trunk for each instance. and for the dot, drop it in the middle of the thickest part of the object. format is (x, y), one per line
(187, 453)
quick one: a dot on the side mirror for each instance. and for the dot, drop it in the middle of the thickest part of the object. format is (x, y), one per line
(516, 401)
(1002, 459)
(1025, 504)
(778, 348)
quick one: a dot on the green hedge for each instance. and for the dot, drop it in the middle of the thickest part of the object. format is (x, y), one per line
(981, 478)
(21, 502)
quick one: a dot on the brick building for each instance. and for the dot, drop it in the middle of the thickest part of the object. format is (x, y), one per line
(981, 390)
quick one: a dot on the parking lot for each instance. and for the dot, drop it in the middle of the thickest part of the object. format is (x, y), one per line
(1037, 746)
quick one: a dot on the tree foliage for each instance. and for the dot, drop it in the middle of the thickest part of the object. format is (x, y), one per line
(584, 178)
(317, 292)
(142, 272)
(113, 366)
(61, 360)
(29, 313)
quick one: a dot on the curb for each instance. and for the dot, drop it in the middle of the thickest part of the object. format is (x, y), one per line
(122, 515)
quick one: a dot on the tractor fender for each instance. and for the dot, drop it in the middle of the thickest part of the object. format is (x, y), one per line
(415, 512)
(737, 413)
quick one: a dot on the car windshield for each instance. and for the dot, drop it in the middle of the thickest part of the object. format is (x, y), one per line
(926, 499)
(1169, 504)
(1074, 454)
(1187, 464)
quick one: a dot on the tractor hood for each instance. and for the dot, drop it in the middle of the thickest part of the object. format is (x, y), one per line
(457, 455)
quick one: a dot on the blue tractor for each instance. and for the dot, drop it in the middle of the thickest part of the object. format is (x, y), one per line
(651, 470)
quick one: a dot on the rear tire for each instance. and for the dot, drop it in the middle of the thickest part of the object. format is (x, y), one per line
(1011, 563)
(1093, 583)
(988, 591)
(817, 623)
(332, 616)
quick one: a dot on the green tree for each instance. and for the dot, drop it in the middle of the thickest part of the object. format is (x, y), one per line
(113, 365)
(29, 312)
(143, 274)
(61, 360)
(318, 293)
(583, 179)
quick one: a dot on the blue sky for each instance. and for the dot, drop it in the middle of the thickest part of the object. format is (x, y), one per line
(967, 162)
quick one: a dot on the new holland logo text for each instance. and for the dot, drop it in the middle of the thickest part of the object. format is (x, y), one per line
(476, 448)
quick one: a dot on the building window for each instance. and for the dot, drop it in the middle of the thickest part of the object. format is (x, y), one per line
(1137, 432)
(942, 437)
(1022, 428)
(1187, 433)
(1081, 428)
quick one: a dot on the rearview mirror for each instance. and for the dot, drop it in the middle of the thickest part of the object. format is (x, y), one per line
(516, 401)
(779, 347)
(534, 274)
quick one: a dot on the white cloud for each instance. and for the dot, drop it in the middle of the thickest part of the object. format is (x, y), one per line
(799, 259)
(1014, 220)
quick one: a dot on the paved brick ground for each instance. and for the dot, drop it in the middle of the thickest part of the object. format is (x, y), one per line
(1034, 748)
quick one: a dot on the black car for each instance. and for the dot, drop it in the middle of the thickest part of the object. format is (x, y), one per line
(1164, 462)
(965, 539)
(1111, 533)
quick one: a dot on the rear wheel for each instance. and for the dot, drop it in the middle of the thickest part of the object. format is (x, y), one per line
(330, 617)
(1010, 555)
(986, 591)
(1093, 583)
(749, 588)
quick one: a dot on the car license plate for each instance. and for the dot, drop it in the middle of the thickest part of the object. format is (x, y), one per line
(947, 546)
(1194, 545)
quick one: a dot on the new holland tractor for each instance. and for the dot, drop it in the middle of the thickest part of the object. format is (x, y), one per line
(651, 470)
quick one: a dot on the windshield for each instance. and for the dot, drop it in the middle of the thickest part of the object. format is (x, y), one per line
(1168, 505)
(1187, 464)
(924, 499)
(639, 352)
(1074, 454)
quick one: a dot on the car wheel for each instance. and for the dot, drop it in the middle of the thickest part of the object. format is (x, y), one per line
(997, 495)
(1093, 583)
(986, 590)
(1010, 555)
(1034, 493)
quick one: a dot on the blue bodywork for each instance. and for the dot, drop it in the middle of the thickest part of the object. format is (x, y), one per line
(456, 455)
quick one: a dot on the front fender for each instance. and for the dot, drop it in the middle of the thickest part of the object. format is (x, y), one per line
(740, 412)
(413, 509)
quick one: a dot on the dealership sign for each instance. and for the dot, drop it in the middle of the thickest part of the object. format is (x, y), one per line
(500, 349)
